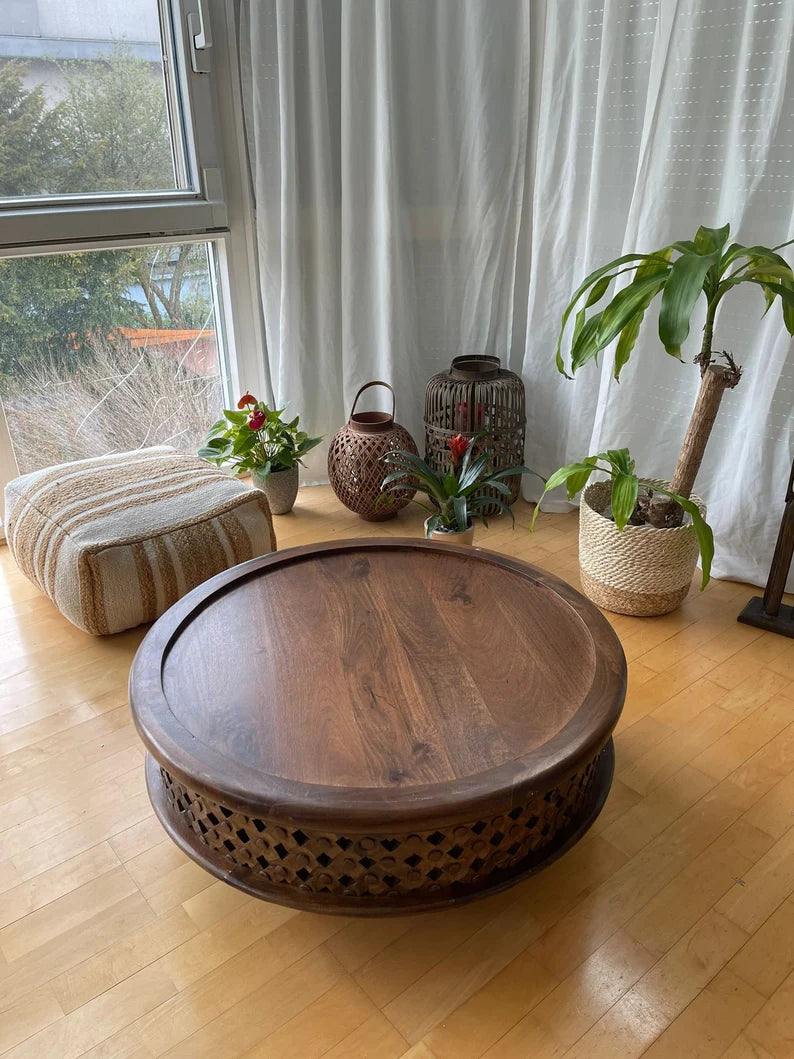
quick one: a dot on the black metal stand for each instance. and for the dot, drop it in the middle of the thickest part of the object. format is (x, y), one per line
(770, 612)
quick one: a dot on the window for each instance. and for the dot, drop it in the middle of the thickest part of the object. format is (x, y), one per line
(85, 94)
(124, 293)
(109, 350)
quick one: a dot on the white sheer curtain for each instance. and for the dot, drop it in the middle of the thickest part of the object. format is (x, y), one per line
(388, 147)
(403, 217)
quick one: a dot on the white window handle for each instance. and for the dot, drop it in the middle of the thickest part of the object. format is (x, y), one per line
(198, 27)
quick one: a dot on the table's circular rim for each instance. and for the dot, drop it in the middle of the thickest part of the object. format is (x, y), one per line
(234, 784)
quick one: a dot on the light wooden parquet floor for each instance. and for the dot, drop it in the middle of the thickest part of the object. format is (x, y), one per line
(668, 931)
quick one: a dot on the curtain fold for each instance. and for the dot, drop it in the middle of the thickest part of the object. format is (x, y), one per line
(402, 219)
(388, 145)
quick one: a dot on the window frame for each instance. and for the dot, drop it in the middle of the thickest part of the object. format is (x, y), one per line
(217, 208)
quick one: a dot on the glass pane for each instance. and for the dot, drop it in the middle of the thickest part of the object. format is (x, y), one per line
(83, 99)
(108, 350)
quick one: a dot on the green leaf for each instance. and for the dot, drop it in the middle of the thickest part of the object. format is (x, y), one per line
(560, 477)
(217, 427)
(307, 444)
(682, 289)
(238, 418)
(709, 240)
(703, 532)
(626, 343)
(773, 272)
(620, 459)
(586, 283)
(508, 472)
(408, 460)
(624, 498)
(787, 300)
(585, 346)
(733, 253)
(220, 445)
(244, 443)
(626, 303)
(461, 512)
(577, 326)
(778, 267)
(577, 481)
(433, 523)
(598, 291)
(396, 476)
(474, 471)
(210, 454)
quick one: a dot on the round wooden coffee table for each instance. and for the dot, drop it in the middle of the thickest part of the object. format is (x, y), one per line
(378, 726)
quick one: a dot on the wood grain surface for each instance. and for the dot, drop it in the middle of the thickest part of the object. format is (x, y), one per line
(377, 678)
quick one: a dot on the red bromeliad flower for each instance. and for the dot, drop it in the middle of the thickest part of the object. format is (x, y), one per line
(245, 400)
(458, 445)
(257, 420)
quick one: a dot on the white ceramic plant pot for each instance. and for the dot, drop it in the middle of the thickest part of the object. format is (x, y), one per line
(280, 488)
(638, 570)
(461, 537)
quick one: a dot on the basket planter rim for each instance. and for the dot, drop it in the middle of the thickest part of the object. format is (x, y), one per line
(634, 530)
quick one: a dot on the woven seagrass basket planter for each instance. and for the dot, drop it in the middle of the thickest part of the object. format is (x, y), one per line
(355, 470)
(639, 570)
(477, 397)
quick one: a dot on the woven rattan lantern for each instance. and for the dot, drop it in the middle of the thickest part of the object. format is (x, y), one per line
(477, 397)
(355, 469)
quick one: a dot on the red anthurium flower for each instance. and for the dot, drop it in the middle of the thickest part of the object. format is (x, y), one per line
(257, 420)
(457, 446)
(246, 399)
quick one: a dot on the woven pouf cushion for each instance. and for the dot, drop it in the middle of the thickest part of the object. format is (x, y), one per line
(114, 541)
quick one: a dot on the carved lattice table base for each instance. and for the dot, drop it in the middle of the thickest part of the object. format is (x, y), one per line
(380, 874)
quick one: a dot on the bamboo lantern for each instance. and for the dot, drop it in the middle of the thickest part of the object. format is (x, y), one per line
(355, 468)
(477, 397)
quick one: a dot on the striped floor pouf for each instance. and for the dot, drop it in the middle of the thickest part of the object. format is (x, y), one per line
(114, 541)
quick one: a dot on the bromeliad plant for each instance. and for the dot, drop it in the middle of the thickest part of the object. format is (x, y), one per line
(459, 496)
(681, 273)
(254, 438)
(631, 497)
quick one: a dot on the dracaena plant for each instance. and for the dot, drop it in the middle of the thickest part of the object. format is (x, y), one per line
(253, 437)
(681, 272)
(631, 497)
(461, 494)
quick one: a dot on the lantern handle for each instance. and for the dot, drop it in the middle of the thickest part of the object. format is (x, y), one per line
(366, 386)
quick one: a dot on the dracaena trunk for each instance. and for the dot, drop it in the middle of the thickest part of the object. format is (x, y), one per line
(715, 380)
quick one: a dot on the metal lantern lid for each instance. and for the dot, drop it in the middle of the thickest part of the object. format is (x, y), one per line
(475, 366)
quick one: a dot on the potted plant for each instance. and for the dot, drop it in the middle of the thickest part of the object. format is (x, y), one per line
(255, 438)
(460, 495)
(637, 555)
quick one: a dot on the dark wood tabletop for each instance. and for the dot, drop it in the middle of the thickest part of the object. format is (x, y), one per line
(377, 683)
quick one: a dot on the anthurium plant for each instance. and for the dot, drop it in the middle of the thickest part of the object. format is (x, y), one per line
(631, 497)
(682, 272)
(459, 496)
(253, 437)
